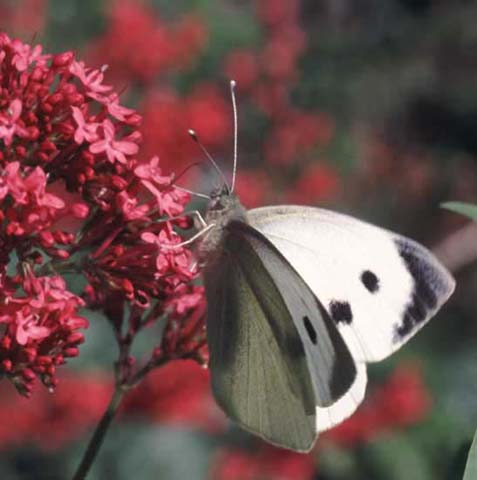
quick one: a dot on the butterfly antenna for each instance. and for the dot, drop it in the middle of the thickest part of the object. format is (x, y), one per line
(209, 157)
(191, 192)
(186, 190)
(233, 83)
(185, 170)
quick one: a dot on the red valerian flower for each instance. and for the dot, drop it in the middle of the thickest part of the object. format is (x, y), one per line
(115, 150)
(9, 124)
(150, 46)
(402, 401)
(295, 133)
(85, 131)
(168, 118)
(265, 462)
(317, 183)
(253, 188)
(68, 149)
(169, 200)
(41, 331)
(275, 12)
(243, 67)
(52, 421)
(176, 394)
(23, 16)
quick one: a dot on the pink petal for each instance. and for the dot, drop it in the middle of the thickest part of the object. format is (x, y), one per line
(128, 148)
(149, 237)
(99, 146)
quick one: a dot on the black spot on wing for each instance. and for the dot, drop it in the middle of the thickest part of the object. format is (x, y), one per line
(427, 285)
(310, 330)
(341, 312)
(370, 281)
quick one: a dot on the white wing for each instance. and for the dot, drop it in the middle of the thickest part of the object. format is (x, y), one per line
(379, 287)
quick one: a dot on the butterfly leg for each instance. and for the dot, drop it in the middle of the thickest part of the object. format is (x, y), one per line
(192, 213)
(192, 239)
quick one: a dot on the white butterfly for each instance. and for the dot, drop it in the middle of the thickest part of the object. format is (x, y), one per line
(379, 287)
(299, 300)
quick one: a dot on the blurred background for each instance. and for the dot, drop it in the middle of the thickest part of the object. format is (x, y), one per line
(366, 107)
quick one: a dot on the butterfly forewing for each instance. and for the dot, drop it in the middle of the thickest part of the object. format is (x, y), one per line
(379, 287)
(274, 352)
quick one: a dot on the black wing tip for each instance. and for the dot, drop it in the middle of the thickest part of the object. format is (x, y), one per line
(433, 285)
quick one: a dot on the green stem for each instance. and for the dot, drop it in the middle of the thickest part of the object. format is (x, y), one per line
(140, 374)
(99, 434)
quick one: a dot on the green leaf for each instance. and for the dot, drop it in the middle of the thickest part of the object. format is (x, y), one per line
(471, 467)
(396, 457)
(466, 209)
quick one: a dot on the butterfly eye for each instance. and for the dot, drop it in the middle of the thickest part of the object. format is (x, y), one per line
(310, 330)
(370, 281)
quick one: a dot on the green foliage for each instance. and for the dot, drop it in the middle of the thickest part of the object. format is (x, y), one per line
(72, 23)
(466, 209)
(150, 452)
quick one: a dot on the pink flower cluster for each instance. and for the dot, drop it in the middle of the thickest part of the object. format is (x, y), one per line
(40, 329)
(73, 197)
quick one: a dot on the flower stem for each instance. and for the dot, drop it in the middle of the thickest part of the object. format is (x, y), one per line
(98, 436)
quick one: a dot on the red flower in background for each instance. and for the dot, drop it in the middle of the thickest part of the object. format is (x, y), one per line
(275, 13)
(150, 45)
(51, 421)
(402, 401)
(265, 463)
(23, 16)
(179, 395)
(167, 119)
(266, 78)
(317, 183)
(252, 187)
(176, 394)
(243, 67)
(295, 133)
(279, 60)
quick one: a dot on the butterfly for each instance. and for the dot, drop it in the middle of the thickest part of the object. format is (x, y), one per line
(299, 300)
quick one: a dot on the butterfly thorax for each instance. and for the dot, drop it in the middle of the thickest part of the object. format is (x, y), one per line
(223, 208)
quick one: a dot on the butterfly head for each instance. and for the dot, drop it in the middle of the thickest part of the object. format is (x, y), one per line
(219, 198)
(223, 207)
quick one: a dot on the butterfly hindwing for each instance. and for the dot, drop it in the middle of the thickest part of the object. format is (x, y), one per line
(274, 351)
(328, 417)
(379, 287)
